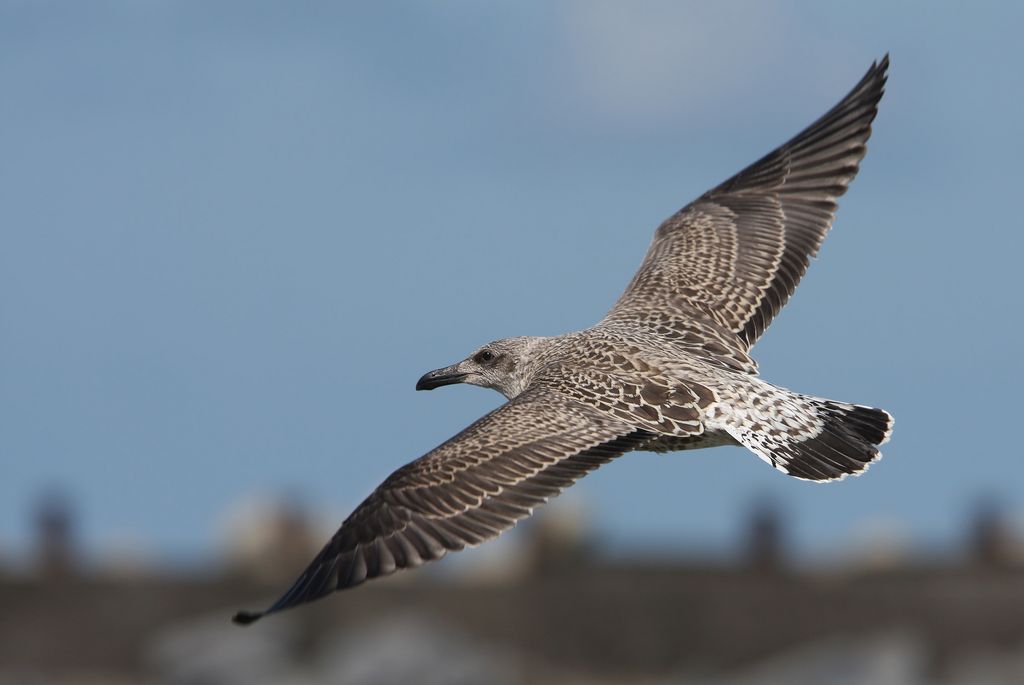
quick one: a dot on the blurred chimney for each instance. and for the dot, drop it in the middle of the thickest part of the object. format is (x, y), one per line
(559, 537)
(764, 549)
(270, 539)
(53, 519)
(991, 541)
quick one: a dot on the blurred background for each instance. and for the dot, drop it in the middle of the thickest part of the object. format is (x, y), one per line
(234, 234)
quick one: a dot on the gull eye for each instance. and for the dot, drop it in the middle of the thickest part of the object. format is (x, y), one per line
(484, 356)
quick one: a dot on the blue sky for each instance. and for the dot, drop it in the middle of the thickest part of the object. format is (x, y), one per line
(234, 234)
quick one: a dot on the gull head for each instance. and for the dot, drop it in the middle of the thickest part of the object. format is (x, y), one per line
(503, 365)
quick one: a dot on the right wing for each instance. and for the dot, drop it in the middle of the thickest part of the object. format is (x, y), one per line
(720, 269)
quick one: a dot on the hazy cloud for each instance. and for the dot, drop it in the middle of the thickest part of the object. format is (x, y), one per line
(651, 61)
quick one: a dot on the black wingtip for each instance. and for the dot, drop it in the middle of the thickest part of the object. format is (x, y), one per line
(881, 68)
(883, 65)
(877, 74)
(244, 618)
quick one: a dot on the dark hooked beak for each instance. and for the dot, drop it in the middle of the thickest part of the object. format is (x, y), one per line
(439, 377)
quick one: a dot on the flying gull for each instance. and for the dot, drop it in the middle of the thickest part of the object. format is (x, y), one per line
(667, 369)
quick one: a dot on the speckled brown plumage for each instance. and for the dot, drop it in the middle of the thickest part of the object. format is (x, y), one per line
(667, 369)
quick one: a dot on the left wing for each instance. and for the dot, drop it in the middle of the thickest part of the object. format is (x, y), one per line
(464, 492)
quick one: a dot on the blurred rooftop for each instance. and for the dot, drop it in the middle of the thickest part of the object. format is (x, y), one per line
(562, 612)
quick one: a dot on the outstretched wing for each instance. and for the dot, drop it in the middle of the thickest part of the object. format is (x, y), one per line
(734, 256)
(464, 492)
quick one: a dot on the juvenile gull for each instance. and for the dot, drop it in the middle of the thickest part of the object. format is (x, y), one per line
(667, 369)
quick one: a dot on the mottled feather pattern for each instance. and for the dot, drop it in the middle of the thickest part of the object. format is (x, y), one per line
(660, 407)
(624, 380)
(803, 436)
(680, 335)
(668, 369)
(466, 491)
(759, 229)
